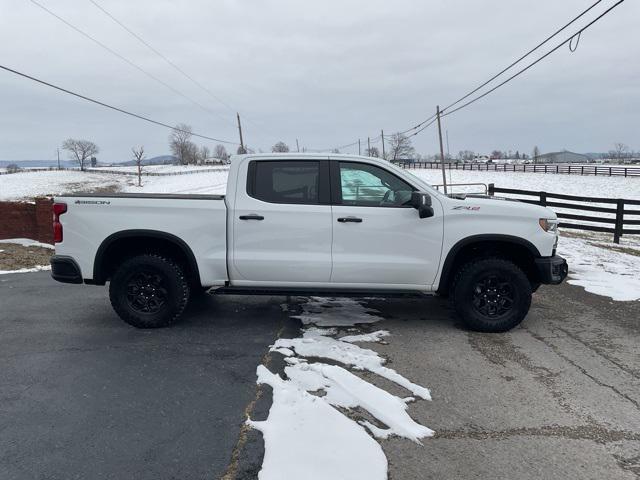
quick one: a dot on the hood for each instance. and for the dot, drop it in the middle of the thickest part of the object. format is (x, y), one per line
(498, 205)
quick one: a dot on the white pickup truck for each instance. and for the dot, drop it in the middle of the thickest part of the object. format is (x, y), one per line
(301, 224)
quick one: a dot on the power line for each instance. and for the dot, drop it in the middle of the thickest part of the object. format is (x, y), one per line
(126, 60)
(117, 109)
(584, 12)
(534, 62)
(172, 64)
(433, 118)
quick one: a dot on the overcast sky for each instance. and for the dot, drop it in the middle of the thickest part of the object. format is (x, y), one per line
(325, 72)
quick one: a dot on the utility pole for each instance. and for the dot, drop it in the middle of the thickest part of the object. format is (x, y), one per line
(297, 145)
(58, 150)
(382, 136)
(368, 146)
(359, 152)
(240, 131)
(444, 177)
(446, 134)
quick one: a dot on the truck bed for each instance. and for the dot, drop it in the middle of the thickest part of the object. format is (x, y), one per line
(95, 221)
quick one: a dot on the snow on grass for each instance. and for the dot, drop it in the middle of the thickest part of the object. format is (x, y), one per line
(214, 182)
(27, 185)
(306, 438)
(310, 432)
(600, 269)
(27, 242)
(39, 268)
(593, 186)
(160, 168)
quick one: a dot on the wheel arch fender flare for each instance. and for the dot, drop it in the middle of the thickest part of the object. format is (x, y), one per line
(450, 260)
(99, 270)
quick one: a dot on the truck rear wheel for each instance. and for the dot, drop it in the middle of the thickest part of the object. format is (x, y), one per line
(491, 294)
(149, 291)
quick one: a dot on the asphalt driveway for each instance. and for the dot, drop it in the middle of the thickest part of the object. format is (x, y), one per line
(83, 395)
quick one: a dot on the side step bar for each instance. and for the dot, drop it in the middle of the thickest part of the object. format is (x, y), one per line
(315, 292)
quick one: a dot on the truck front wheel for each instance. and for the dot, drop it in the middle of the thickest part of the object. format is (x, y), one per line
(149, 291)
(491, 294)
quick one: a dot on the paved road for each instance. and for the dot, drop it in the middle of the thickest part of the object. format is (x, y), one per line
(83, 395)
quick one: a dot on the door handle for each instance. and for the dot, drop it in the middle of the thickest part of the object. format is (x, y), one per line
(350, 219)
(253, 216)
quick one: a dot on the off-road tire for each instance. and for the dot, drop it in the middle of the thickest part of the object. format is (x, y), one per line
(172, 291)
(469, 299)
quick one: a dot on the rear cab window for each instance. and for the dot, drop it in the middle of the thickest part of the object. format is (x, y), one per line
(289, 181)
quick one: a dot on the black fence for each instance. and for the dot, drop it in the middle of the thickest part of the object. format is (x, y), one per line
(619, 224)
(560, 168)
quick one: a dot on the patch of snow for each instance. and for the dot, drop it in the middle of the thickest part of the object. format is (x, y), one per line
(306, 438)
(326, 312)
(39, 268)
(317, 344)
(27, 242)
(346, 390)
(601, 270)
(366, 337)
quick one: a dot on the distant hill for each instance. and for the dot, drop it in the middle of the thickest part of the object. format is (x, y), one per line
(38, 163)
(159, 160)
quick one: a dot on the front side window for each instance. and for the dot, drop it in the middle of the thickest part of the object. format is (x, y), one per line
(371, 186)
(285, 181)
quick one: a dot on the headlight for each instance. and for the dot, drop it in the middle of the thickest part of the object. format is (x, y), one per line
(549, 224)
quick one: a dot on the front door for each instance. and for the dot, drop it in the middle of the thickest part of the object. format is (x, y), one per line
(378, 238)
(282, 223)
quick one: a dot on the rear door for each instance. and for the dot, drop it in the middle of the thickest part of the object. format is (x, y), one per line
(282, 223)
(378, 239)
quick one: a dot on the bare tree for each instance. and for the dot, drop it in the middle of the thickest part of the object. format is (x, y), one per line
(400, 147)
(496, 154)
(535, 154)
(181, 144)
(138, 157)
(620, 151)
(80, 150)
(203, 154)
(335, 150)
(372, 152)
(280, 147)
(13, 168)
(221, 152)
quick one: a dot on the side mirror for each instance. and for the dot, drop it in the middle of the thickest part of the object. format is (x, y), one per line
(421, 201)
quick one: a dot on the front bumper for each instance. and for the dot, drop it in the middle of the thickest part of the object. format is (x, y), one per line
(552, 270)
(65, 269)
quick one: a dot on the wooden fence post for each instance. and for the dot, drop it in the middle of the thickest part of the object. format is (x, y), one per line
(543, 199)
(491, 190)
(619, 221)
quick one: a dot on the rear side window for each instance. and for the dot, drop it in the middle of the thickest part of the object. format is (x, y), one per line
(284, 181)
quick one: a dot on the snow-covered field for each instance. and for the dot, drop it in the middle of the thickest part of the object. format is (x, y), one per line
(26, 186)
(163, 168)
(600, 186)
